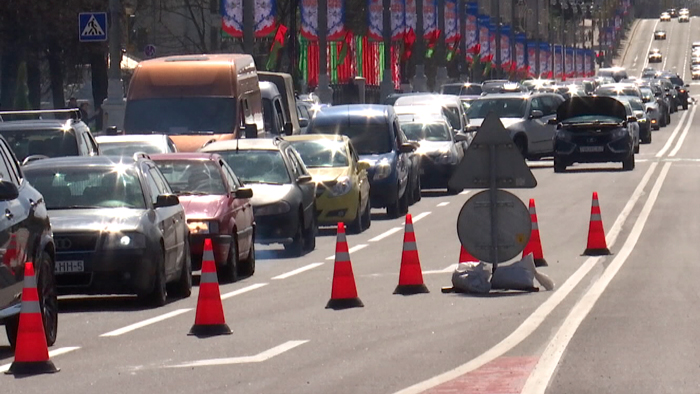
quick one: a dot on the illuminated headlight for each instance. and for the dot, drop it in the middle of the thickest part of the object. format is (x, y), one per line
(124, 240)
(203, 226)
(382, 169)
(273, 209)
(342, 186)
(619, 133)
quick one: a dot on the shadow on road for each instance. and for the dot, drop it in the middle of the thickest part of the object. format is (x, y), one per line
(432, 193)
(6, 353)
(104, 304)
(271, 254)
(495, 294)
(592, 170)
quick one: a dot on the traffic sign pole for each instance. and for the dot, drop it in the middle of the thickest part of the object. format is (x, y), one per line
(493, 197)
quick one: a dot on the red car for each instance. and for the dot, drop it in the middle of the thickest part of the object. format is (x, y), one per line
(217, 206)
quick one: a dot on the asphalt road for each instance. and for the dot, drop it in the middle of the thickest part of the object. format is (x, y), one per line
(621, 323)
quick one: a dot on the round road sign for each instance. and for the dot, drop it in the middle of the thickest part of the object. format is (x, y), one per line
(513, 222)
(149, 50)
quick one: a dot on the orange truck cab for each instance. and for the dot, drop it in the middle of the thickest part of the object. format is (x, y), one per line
(195, 99)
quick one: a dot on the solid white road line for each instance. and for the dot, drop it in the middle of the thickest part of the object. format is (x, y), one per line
(651, 41)
(444, 204)
(386, 234)
(448, 269)
(297, 271)
(684, 133)
(534, 321)
(351, 250)
(668, 144)
(52, 354)
(145, 323)
(547, 364)
(420, 216)
(258, 358)
(464, 192)
(243, 290)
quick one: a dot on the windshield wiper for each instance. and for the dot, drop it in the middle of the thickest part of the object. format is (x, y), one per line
(191, 193)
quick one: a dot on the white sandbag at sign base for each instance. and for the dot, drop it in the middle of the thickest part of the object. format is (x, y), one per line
(475, 277)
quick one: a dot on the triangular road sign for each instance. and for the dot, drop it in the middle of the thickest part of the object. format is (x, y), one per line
(474, 171)
(92, 28)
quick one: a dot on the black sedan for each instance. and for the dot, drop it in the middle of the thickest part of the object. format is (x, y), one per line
(117, 226)
(284, 196)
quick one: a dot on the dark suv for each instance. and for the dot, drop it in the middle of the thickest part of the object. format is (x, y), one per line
(25, 235)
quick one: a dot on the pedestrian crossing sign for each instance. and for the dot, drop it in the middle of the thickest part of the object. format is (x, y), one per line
(92, 26)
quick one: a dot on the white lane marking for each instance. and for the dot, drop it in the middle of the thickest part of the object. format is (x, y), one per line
(448, 269)
(298, 271)
(684, 133)
(532, 322)
(258, 358)
(651, 41)
(420, 216)
(444, 204)
(386, 234)
(145, 323)
(464, 192)
(673, 136)
(52, 354)
(548, 362)
(351, 250)
(243, 290)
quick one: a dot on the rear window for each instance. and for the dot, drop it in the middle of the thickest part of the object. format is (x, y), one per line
(128, 148)
(368, 139)
(50, 143)
(182, 115)
(187, 177)
(258, 166)
(426, 131)
(322, 153)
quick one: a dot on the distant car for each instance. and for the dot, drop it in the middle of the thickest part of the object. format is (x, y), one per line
(501, 86)
(593, 130)
(26, 237)
(118, 227)
(665, 17)
(284, 195)
(461, 89)
(695, 72)
(217, 206)
(618, 89)
(127, 145)
(43, 138)
(655, 56)
(456, 115)
(683, 18)
(681, 88)
(535, 83)
(342, 185)
(639, 111)
(659, 35)
(673, 12)
(616, 73)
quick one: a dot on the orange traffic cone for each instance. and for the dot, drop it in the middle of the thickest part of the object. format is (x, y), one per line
(534, 246)
(31, 352)
(466, 257)
(411, 275)
(596, 234)
(209, 320)
(344, 292)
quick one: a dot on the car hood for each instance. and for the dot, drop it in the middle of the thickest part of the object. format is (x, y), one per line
(434, 146)
(507, 122)
(586, 105)
(264, 194)
(106, 219)
(327, 174)
(203, 207)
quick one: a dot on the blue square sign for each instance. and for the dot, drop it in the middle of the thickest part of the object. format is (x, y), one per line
(92, 26)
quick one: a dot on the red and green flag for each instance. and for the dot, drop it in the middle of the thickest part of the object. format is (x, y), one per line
(432, 43)
(277, 45)
(345, 48)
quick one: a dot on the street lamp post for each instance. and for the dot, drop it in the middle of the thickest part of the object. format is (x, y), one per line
(325, 93)
(387, 85)
(114, 106)
(420, 81)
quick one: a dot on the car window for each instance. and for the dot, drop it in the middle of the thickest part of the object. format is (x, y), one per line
(322, 153)
(536, 104)
(296, 167)
(372, 138)
(127, 148)
(191, 176)
(503, 107)
(550, 104)
(257, 165)
(427, 131)
(152, 188)
(50, 143)
(279, 112)
(230, 176)
(161, 182)
(5, 172)
(14, 173)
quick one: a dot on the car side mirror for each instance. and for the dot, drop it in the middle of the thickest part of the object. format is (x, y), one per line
(553, 122)
(536, 114)
(407, 148)
(244, 192)
(363, 165)
(8, 191)
(686, 85)
(304, 179)
(166, 200)
(251, 130)
(461, 138)
(303, 122)
(288, 129)
(631, 118)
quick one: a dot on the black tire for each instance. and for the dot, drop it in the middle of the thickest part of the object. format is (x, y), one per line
(417, 190)
(310, 235)
(367, 213)
(559, 167)
(403, 202)
(453, 191)
(159, 294)
(183, 287)
(247, 266)
(11, 329)
(229, 272)
(685, 106)
(409, 190)
(628, 163)
(521, 142)
(636, 148)
(357, 225)
(296, 248)
(393, 209)
(647, 138)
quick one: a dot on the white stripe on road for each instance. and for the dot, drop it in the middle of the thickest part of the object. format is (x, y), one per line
(298, 271)
(684, 133)
(448, 269)
(258, 358)
(351, 250)
(420, 216)
(243, 290)
(444, 204)
(145, 323)
(534, 321)
(548, 362)
(672, 137)
(464, 192)
(52, 354)
(386, 234)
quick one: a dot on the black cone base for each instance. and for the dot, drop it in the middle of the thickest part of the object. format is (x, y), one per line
(344, 303)
(210, 330)
(411, 289)
(541, 263)
(597, 252)
(32, 368)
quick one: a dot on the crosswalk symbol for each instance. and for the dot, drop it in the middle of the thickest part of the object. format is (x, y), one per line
(92, 26)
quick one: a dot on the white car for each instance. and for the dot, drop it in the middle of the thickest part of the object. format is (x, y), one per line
(683, 19)
(684, 11)
(665, 17)
(659, 35)
(655, 56)
(695, 72)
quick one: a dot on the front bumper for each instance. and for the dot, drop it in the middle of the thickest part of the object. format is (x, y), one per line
(276, 229)
(433, 174)
(383, 193)
(221, 243)
(579, 150)
(331, 209)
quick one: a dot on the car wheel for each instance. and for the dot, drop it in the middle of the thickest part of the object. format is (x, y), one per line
(417, 190)
(685, 106)
(521, 143)
(247, 266)
(158, 295)
(183, 287)
(636, 148)
(229, 272)
(628, 163)
(559, 167)
(409, 191)
(647, 138)
(367, 213)
(403, 202)
(393, 209)
(357, 225)
(296, 248)
(310, 236)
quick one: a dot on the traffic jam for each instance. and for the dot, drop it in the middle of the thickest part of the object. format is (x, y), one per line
(143, 211)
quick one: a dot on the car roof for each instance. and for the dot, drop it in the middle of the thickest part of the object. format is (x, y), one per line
(245, 144)
(312, 137)
(417, 108)
(368, 113)
(131, 138)
(37, 124)
(522, 95)
(184, 156)
(82, 161)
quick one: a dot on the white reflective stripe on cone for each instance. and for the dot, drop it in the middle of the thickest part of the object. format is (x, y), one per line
(208, 255)
(408, 246)
(342, 256)
(30, 307)
(208, 277)
(595, 217)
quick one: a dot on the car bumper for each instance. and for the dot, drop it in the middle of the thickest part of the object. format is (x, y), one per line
(221, 243)
(612, 151)
(276, 229)
(434, 174)
(384, 192)
(331, 209)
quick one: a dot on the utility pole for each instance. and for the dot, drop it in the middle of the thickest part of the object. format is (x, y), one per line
(420, 81)
(325, 93)
(248, 26)
(114, 106)
(441, 74)
(538, 38)
(387, 85)
(496, 5)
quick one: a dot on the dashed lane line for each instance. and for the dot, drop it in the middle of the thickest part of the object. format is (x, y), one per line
(444, 204)
(145, 323)
(670, 140)
(351, 250)
(684, 133)
(448, 269)
(420, 216)
(297, 271)
(386, 234)
(243, 290)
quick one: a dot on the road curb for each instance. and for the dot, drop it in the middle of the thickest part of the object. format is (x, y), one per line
(636, 24)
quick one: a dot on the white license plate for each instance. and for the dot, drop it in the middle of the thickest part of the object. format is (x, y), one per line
(591, 149)
(63, 267)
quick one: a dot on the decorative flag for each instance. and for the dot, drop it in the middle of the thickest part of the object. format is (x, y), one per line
(430, 22)
(471, 29)
(520, 54)
(558, 54)
(409, 41)
(483, 36)
(569, 62)
(345, 47)
(336, 19)
(432, 42)
(309, 19)
(545, 58)
(505, 45)
(277, 44)
(579, 63)
(398, 20)
(232, 17)
(453, 48)
(493, 47)
(532, 57)
(452, 27)
(375, 19)
(264, 17)
(410, 15)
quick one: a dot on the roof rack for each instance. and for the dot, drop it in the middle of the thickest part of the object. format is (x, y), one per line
(141, 155)
(74, 112)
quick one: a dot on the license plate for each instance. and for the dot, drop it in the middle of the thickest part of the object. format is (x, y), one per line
(591, 149)
(63, 267)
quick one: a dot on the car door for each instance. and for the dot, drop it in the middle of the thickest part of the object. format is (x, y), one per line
(550, 104)
(308, 189)
(241, 209)
(360, 175)
(165, 218)
(403, 160)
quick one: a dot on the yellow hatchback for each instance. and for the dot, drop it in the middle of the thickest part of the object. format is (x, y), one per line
(342, 186)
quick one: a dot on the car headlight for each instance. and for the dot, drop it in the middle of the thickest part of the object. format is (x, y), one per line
(563, 136)
(203, 226)
(272, 209)
(342, 187)
(446, 156)
(382, 169)
(620, 133)
(119, 240)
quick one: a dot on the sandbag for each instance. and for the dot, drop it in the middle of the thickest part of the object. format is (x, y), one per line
(471, 277)
(520, 275)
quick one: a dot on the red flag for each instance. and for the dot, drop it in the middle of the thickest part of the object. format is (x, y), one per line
(277, 44)
(409, 41)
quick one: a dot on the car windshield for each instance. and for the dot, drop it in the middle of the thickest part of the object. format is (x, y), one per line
(322, 153)
(647, 94)
(592, 119)
(503, 107)
(426, 131)
(258, 166)
(636, 105)
(50, 143)
(88, 187)
(368, 139)
(192, 176)
(128, 148)
(617, 92)
(182, 115)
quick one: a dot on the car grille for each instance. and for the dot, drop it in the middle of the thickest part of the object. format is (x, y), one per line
(592, 139)
(75, 242)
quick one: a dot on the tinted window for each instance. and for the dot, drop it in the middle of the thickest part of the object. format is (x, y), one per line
(257, 166)
(426, 131)
(322, 153)
(367, 138)
(185, 115)
(14, 174)
(503, 107)
(269, 116)
(126, 148)
(50, 143)
(5, 172)
(192, 176)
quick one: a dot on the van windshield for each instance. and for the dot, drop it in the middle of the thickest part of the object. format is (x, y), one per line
(183, 115)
